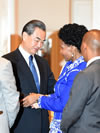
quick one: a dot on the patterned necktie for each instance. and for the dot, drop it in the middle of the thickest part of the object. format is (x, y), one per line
(33, 70)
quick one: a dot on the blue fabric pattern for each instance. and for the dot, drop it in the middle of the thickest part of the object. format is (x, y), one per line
(56, 102)
(55, 126)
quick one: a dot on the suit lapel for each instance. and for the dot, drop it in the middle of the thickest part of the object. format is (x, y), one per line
(25, 71)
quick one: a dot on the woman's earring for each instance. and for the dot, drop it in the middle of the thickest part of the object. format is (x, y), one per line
(72, 55)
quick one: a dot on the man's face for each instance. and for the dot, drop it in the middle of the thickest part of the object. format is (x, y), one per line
(34, 42)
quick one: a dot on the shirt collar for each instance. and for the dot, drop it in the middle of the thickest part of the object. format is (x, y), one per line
(92, 60)
(25, 54)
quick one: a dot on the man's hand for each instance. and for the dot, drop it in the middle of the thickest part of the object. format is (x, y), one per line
(30, 99)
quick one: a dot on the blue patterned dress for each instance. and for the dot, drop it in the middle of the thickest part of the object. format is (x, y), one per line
(56, 101)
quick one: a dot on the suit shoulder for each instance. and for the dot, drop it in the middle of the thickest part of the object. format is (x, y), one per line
(12, 56)
(85, 75)
(9, 54)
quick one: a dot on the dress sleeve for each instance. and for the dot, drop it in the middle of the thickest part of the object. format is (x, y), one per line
(56, 102)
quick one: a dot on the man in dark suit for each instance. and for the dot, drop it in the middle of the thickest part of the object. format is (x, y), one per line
(33, 36)
(82, 112)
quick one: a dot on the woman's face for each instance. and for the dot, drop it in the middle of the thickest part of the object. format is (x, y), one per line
(66, 51)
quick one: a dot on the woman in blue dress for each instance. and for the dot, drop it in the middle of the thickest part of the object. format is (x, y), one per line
(71, 37)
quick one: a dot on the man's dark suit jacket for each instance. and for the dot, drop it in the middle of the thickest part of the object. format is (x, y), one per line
(82, 112)
(31, 120)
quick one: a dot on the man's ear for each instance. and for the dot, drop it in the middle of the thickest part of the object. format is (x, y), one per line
(25, 36)
(83, 46)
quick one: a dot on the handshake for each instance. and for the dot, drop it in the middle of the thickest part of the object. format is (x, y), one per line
(31, 100)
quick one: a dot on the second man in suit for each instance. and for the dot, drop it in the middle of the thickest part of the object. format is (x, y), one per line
(33, 37)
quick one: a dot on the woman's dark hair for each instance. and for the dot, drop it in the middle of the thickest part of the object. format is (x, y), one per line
(31, 25)
(72, 34)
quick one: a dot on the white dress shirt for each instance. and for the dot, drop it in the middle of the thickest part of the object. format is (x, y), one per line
(26, 57)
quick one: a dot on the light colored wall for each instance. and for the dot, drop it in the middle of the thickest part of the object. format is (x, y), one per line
(54, 13)
(82, 12)
(96, 14)
(86, 12)
(6, 24)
